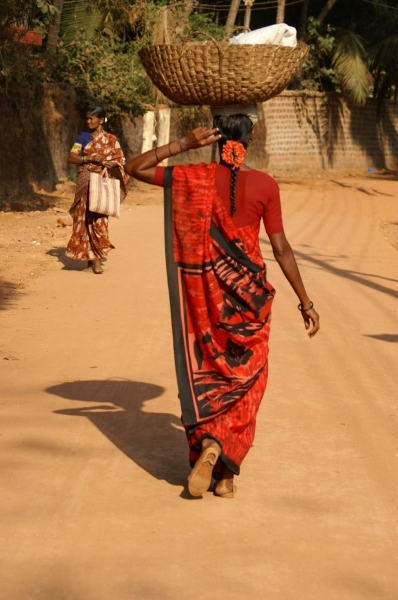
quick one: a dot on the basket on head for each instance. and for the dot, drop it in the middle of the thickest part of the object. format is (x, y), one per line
(218, 74)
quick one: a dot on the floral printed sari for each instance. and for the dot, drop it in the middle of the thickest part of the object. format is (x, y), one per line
(90, 238)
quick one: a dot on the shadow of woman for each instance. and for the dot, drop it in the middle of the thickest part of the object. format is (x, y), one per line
(69, 264)
(154, 441)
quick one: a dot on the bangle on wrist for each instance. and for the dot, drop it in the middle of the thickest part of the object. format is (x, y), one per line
(83, 160)
(156, 154)
(181, 145)
(171, 154)
(300, 307)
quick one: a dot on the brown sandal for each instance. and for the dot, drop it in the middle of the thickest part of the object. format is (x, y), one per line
(225, 492)
(200, 478)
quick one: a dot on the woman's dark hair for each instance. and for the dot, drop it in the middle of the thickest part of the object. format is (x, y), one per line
(237, 128)
(97, 111)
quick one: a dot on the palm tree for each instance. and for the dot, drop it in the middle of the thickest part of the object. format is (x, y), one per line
(383, 55)
(365, 47)
(55, 25)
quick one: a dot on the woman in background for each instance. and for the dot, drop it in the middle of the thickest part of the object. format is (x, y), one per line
(219, 294)
(92, 152)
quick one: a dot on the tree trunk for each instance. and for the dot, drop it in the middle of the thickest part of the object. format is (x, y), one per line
(280, 12)
(230, 24)
(53, 30)
(248, 12)
(303, 19)
(329, 4)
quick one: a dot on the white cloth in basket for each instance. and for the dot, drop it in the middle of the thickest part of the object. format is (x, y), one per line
(279, 35)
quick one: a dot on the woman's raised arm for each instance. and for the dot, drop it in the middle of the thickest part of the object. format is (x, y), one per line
(143, 167)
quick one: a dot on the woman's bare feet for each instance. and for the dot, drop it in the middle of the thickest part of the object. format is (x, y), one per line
(97, 266)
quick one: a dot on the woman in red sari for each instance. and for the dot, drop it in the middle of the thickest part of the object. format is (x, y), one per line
(93, 151)
(219, 294)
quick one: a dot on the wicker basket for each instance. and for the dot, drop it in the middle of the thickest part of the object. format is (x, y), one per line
(220, 74)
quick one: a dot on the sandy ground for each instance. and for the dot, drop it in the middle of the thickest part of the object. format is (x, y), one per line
(93, 457)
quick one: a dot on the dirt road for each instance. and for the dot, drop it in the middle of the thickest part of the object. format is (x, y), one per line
(93, 459)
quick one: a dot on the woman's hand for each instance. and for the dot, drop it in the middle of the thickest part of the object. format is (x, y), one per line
(95, 159)
(199, 137)
(311, 318)
(110, 164)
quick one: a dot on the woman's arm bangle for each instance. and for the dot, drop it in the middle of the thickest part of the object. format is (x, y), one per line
(171, 154)
(156, 154)
(300, 307)
(181, 145)
(83, 160)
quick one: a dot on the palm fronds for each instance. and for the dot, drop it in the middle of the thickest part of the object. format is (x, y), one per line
(383, 55)
(349, 64)
(78, 16)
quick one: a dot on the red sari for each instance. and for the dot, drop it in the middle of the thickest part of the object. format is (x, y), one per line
(221, 310)
(90, 237)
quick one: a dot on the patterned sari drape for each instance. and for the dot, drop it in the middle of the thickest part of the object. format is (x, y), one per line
(220, 306)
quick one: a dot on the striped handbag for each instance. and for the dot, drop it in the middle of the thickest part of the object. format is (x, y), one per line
(104, 194)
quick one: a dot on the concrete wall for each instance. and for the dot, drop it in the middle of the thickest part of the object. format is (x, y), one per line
(39, 124)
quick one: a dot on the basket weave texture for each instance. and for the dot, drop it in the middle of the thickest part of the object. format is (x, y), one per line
(221, 74)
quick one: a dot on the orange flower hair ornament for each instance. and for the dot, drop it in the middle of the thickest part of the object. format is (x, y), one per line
(233, 153)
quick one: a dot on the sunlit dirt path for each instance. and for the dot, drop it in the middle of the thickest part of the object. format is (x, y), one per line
(93, 457)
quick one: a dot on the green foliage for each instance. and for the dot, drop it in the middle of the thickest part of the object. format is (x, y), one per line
(364, 46)
(104, 72)
(46, 7)
(317, 72)
(202, 27)
(21, 63)
(102, 64)
(383, 56)
(78, 15)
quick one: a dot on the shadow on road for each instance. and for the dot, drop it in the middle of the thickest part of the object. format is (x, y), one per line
(69, 263)
(9, 292)
(385, 337)
(326, 265)
(154, 441)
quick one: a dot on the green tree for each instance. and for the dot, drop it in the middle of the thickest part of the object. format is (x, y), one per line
(365, 46)
(21, 62)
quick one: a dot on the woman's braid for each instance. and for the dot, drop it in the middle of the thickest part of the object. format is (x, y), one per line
(236, 128)
(234, 175)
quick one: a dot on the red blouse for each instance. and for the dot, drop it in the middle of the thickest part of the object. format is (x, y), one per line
(257, 197)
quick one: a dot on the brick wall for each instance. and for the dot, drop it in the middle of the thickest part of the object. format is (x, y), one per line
(324, 132)
(318, 132)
